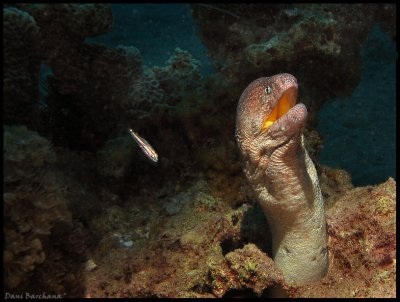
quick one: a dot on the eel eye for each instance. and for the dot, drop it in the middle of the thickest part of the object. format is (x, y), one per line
(268, 90)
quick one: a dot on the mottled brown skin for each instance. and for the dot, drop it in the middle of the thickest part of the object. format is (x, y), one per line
(283, 178)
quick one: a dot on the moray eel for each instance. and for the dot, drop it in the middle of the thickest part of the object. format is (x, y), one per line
(269, 133)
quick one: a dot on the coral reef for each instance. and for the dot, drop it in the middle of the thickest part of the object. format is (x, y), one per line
(82, 202)
(116, 157)
(179, 76)
(145, 92)
(62, 21)
(21, 68)
(171, 261)
(282, 46)
(312, 41)
(33, 202)
(334, 183)
(192, 251)
(106, 82)
(25, 153)
(42, 196)
(243, 268)
(84, 75)
(362, 245)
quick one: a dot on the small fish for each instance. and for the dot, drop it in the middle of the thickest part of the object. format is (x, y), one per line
(145, 146)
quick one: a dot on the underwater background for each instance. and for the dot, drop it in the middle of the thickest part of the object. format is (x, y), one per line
(82, 200)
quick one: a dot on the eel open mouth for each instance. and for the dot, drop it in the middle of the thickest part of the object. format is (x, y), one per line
(284, 104)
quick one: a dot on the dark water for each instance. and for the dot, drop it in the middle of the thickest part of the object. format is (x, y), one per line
(360, 131)
(156, 30)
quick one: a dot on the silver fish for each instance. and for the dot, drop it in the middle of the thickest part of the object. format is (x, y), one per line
(145, 146)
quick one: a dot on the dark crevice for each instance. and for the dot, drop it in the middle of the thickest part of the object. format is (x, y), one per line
(229, 245)
(240, 293)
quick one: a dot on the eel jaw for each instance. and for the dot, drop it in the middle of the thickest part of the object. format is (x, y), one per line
(281, 107)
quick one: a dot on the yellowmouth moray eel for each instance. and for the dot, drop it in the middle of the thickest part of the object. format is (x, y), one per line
(269, 133)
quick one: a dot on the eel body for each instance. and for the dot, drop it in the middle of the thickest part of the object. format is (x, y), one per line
(269, 133)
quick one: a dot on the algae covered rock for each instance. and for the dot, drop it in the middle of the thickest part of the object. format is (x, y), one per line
(243, 268)
(362, 245)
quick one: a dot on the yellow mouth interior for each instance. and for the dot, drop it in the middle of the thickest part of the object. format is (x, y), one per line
(286, 102)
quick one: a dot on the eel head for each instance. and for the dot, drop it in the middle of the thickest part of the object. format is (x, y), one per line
(268, 117)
